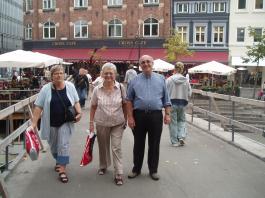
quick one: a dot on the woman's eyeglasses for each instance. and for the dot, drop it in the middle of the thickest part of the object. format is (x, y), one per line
(108, 74)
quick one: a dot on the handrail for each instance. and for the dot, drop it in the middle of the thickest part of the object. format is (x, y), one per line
(226, 120)
(15, 107)
(222, 118)
(19, 90)
(248, 101)
(5, 142)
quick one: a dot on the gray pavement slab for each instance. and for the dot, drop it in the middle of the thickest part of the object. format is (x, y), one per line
(206, 167)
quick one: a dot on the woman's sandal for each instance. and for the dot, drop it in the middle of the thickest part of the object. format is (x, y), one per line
(118, 180)
(102, 171)
(63, 177)
(57, 168)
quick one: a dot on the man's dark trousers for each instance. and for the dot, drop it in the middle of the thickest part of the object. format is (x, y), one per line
(150, 122)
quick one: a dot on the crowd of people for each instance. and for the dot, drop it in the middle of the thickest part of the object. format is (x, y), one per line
(138, 103)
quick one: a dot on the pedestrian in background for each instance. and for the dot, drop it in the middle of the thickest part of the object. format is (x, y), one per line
(146, 97)
(108, 112)
(81, 85)
(50, 106)
(130, 74)
(179, 92)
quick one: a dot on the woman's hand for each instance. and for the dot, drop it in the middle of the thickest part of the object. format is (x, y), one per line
(34, 127)
(78, 117)
(91, 127)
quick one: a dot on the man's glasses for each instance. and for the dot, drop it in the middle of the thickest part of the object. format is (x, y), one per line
(146, 61)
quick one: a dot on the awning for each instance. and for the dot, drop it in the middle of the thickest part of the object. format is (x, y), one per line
(117, 54)
(203, 57)
(238, 61)
(132, 54)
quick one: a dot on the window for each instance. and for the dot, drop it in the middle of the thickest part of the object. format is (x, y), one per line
(258, 4)
(151, 1)
(115, 28)
(258, 34)
(241, 4)
(48, 4)
(81, 29)
(151, 27)
(183, 32)
(27, 5)
(219, 7)
(218, 34)
(183, 8)
(49, 30)
(240, 34)
(114, 2)
(201, 7)
(200, 34)
(28, 32)
(80, 3)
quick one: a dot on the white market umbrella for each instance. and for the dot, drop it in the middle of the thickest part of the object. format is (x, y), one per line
(213, 67)
(19, 58)
(26, 59)
(48, 59)
(162, 66)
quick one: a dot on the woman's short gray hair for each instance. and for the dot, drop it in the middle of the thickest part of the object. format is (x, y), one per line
(109, 65)
(56, 68)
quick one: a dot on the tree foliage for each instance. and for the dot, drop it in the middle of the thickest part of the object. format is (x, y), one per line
(176, 47)
(256, 52)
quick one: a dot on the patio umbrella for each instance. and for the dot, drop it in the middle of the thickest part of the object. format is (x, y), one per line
(213, 67)
(26, 59)
(162, 66)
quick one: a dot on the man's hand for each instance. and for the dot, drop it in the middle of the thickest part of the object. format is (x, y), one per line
(167, 119)
(131, 122)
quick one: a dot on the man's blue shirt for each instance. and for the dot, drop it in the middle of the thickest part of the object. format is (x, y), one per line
(148, 92)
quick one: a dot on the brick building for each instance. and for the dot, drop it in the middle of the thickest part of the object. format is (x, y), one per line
(119, 30)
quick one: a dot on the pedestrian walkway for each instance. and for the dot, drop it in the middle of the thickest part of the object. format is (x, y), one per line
(206, 167)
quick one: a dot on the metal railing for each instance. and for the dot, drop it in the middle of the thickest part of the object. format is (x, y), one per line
(209, 112)
(11, 134)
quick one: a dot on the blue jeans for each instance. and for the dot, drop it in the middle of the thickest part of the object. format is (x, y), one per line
(82, 93)
(177, 126)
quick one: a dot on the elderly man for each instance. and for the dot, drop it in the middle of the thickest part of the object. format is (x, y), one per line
(146, 97)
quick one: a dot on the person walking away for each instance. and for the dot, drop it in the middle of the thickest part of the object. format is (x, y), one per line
(81, 85)
(50, 106)
(146, 97)
(179, 92)
(108, 112)
(130, 74)
(89, 79)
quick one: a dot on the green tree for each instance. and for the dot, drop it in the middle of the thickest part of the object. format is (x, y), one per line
(176, 47)
(255, 53)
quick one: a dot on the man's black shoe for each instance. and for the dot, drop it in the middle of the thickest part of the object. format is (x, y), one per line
(154, 176)
(132, 175)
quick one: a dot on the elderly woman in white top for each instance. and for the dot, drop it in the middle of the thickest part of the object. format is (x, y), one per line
(109, 114)
(51, 104)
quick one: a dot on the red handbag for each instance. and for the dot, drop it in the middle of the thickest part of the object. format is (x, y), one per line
(88, 151)
(32, 144)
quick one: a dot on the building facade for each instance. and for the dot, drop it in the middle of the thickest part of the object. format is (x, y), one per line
(11, 25)
(119, 30)
(245, 14)
(204, 25)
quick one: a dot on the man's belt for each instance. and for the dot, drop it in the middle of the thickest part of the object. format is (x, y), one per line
(147, 111)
